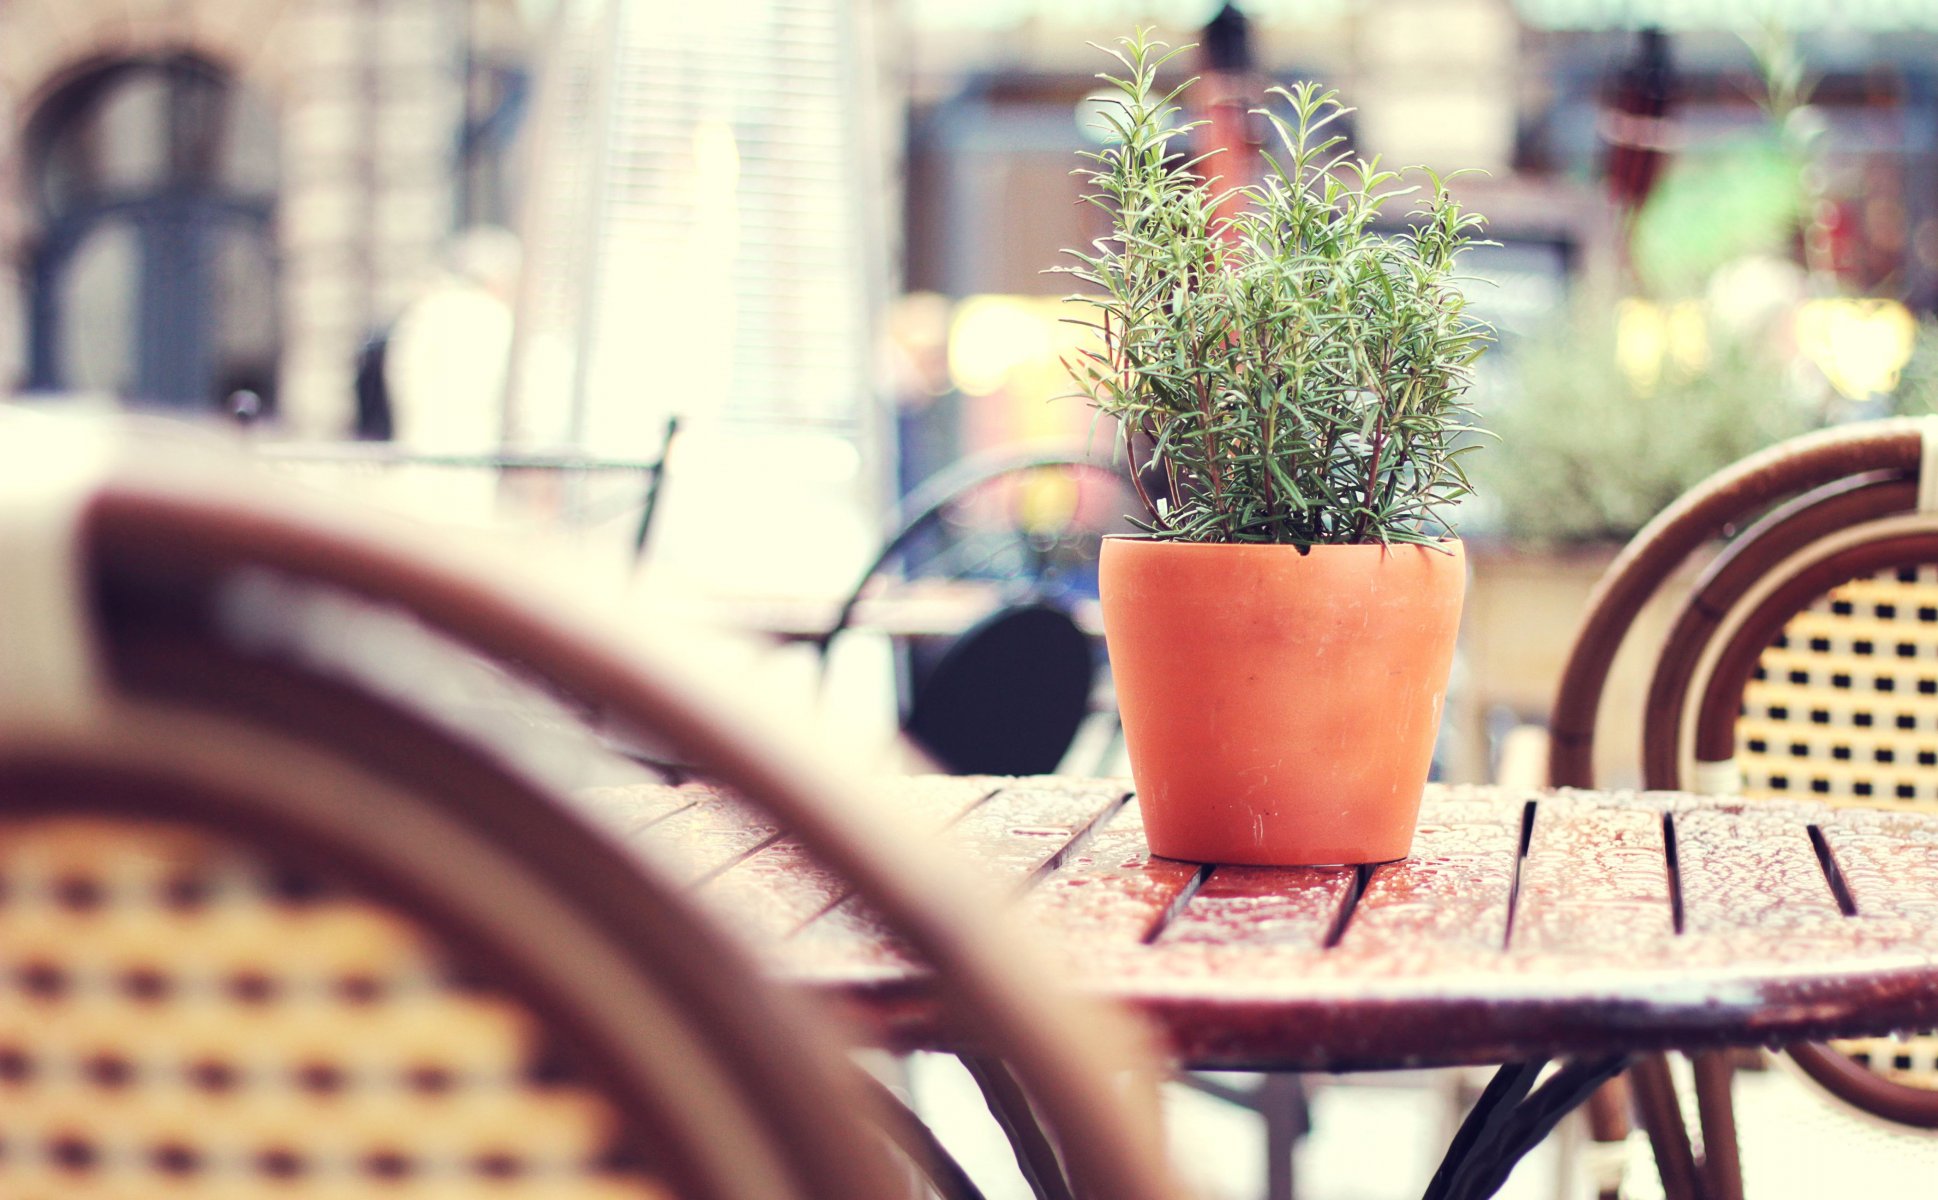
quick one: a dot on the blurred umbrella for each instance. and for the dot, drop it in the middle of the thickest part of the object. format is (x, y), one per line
(1635, 123)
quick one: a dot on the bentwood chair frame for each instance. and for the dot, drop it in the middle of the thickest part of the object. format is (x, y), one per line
(932, 502)
(1738, 704)
(173, 645)
(1031, 649)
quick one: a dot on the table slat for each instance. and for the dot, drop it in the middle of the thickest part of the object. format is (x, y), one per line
(775, 891)
(1263, 906)
(1450, 896)
(710, 836)
(1595, 878)
(781, 887)
(632, 808)
(1020, 830)
(1012, 836)
(1751, 867)
(1888, 860)
(1112, 893)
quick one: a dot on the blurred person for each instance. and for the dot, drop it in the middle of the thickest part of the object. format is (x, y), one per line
(373, 421)
(434, 381)
(1635, 122)
(443, 364)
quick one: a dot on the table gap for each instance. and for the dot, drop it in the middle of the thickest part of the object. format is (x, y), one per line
(847, 891)
(1528, 812)
(823, 911)
(1090, 806)
(1362, 877)
(1833, 874)
(1674, 867)
(972, 806)
(722, 868)
(1178, 903)
(643, 826)
(1078, 841)
(608, 804)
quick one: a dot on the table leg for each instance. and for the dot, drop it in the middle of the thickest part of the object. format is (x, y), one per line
(1508, 1087)
(1281, 1102)
(1510, 1119)
(1722, 1169)
(918, 1143)
(1035, 1155)
(1661, 1113)
(1608, 1130)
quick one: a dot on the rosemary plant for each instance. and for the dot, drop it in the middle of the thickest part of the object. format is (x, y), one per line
(1289, 372)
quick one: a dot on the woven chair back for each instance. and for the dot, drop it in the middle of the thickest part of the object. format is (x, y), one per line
(1802, 663)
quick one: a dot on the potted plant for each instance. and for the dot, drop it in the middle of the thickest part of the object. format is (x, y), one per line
(1289, 381)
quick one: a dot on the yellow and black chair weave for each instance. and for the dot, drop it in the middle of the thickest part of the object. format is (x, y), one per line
(1843, 706)
(182, 1015)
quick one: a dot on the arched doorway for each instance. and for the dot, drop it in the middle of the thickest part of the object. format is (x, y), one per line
(154, 272)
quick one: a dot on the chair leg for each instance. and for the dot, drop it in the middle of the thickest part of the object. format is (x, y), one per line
(1722, 1168)
(1661, 1113)
(1607, 1115)
(1281, 1101)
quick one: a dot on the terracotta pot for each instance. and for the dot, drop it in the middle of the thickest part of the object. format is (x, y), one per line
(1279, 707)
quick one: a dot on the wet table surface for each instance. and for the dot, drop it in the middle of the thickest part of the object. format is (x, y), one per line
(1524, 924)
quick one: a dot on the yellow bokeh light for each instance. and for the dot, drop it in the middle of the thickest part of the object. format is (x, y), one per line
(1648, 335)
(992, 336)
(1859, 344)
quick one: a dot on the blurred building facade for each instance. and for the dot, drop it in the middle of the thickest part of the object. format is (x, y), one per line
(200, 198)
(210, 196)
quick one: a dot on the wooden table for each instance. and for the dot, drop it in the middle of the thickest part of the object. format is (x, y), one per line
(1524, 923)
(1526, 926)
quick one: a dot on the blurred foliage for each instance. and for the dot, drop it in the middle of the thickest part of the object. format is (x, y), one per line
(1917, 392)
(1714, 209)
(1596, 437)
(1751, 195)
(1608, 416)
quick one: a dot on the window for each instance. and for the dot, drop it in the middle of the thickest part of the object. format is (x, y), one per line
(154, 273)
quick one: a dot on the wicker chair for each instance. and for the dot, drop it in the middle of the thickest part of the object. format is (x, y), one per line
(269, 926)
(1802, 663)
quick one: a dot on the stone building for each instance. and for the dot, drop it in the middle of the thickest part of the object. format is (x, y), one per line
(204, 196)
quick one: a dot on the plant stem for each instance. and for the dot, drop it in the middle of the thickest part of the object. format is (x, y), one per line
(1137, 474)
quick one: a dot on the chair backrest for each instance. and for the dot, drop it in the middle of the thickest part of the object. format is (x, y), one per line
(1049, 551)
(197, 1011)
(264, 921)
(1802, 635)
(1802, 662)
(1008, 696)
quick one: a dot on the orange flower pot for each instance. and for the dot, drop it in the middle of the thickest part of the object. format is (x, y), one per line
(1280, 708)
